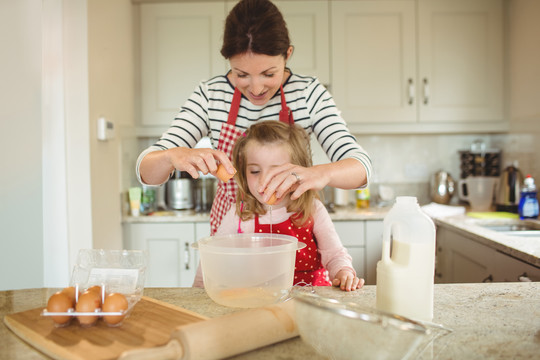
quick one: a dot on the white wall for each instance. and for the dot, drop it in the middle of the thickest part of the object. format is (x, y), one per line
(21, 211)
(112, 95)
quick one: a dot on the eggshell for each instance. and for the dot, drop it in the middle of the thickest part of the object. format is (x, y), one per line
(114, 302)
(272, 199)
(95, 288)
(222, 173)
(60, 302)
(70, 292)
(88, 302)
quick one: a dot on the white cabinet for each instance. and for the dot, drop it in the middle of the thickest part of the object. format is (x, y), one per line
(172, 261)
(352, 235)
(461, 259)
(449, 80)
(363, 240)
(180, 47)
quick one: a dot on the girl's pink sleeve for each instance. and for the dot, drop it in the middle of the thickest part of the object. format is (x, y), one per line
(334, 256)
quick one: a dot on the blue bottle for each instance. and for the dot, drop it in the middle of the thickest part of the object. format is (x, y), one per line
(528, 203)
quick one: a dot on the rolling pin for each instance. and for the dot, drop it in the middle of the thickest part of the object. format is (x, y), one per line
(225, 336)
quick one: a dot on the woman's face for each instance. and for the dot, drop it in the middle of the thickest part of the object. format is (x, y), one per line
(258, 77)
(260, 158)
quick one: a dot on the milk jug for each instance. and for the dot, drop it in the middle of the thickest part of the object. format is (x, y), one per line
(406, 270)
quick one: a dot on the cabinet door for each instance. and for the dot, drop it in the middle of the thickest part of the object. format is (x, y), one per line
(307, 22)
(374, 230)
(460, 60)
(171, 262)
(508, 269)
(373, 63)
(180, 44)
(463, 260)
(352, 237)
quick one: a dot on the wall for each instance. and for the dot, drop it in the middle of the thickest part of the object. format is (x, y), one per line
(21, 211)
(112, 95)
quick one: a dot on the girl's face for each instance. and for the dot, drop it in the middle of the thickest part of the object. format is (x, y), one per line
(258, 77)
(260, 159)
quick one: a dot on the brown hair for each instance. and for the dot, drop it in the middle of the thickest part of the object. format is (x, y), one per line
(255, 26)
(273, 132)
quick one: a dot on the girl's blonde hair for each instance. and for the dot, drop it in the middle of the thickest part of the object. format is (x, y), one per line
(273, 132)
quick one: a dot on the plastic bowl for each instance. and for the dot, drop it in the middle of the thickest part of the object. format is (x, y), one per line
(248, 270)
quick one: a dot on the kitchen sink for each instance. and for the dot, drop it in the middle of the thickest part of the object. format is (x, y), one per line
(515, 229)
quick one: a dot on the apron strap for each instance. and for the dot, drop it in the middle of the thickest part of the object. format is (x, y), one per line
(285, 113)
(235, 105)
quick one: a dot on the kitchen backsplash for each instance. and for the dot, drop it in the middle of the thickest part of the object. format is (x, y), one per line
(405, 163)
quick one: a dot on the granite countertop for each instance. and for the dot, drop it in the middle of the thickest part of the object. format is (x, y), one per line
(339, 214)
(521, 247)
(495, 320)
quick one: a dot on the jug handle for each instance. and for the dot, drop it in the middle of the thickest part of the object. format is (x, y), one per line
(461, 194)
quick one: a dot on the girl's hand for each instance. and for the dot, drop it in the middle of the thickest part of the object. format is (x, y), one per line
(346, 280)
(195, 160)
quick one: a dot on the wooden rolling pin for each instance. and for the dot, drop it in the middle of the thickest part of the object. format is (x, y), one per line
(225, 336)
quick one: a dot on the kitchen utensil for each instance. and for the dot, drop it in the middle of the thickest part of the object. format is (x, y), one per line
(480, 191)
(347, 331)
(150, 324)
(508, 190)
(248, 270)
(442, 187)
(225, 336)
(180, 191)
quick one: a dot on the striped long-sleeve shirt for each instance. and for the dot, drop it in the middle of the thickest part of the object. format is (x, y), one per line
(313, 108)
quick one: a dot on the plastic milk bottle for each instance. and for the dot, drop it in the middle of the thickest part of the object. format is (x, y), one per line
(405, 273)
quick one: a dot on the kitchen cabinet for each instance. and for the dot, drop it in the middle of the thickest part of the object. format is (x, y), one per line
(172, 261)
(418, 66)
(460, 259)
(179, 47)
(363, 241)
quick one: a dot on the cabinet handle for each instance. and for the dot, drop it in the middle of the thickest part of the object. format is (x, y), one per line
(426, 91)
(411, 91)
(488, 279)
(524, 277)
(187, 254)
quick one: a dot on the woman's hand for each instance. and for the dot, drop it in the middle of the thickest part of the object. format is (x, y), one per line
(294, 179)
(346, 281)
(287, 178)
(156, 167)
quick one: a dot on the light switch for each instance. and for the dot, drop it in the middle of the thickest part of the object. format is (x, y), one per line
(105, 129)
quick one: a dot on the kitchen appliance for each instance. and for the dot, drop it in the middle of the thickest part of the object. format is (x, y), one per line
(442, 187)
(248, 270)
(205, 191)
(480, 191)
(480, 161)
(345, 330)
(180, 191)
(508, 190)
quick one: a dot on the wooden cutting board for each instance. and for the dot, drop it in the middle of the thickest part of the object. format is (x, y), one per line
(150, 324)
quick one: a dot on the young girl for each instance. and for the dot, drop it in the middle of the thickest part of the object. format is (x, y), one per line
(266, 146)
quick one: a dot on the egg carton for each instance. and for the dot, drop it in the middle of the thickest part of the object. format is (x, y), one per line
(115, 271)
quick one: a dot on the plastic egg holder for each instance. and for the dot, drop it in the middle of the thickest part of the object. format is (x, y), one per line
(115, 271)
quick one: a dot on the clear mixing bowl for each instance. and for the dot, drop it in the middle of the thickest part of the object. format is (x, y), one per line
(248, 270)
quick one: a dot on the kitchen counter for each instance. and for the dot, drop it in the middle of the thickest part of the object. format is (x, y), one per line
(495, 321)
(523, 248)
(339, 214)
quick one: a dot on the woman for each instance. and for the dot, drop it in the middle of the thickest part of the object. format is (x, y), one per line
(258, 87)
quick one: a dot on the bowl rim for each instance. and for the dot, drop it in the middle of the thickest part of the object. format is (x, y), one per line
(291, 243)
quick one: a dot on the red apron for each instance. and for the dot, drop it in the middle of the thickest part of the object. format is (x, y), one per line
(226, 192)
(308, 267)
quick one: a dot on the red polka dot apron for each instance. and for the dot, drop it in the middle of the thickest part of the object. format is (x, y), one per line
(226, 192)
(308, 267)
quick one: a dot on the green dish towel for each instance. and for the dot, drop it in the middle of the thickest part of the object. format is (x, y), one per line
(493, 215)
